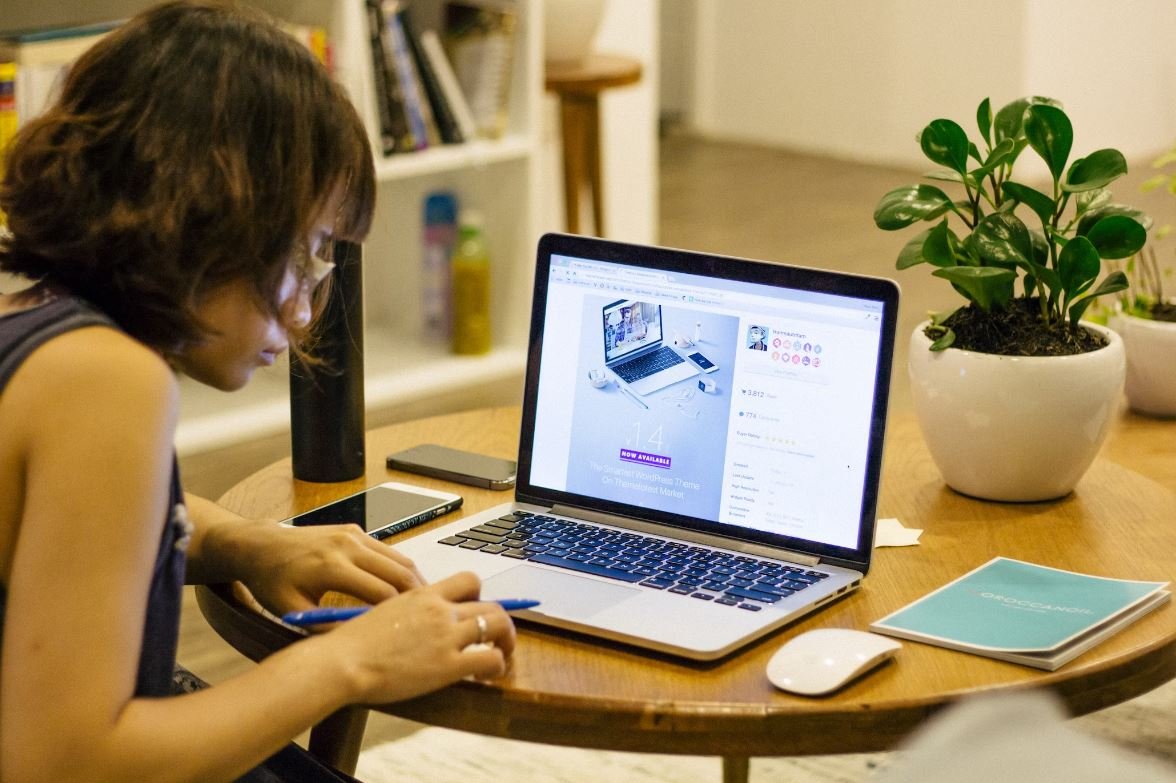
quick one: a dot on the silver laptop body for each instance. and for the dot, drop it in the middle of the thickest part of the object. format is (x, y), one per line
(729, 503)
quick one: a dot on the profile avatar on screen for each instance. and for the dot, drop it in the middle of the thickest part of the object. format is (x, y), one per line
(757, 338)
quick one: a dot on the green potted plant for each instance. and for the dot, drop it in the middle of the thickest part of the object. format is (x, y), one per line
(1013, 390)
(1146, 318)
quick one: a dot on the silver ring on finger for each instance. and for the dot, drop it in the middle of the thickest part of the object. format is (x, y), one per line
(482, 628)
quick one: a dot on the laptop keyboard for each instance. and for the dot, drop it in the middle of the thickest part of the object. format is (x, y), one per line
(677, 567)
(644, 366)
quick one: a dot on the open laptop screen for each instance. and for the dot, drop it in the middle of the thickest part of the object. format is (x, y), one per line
(777, 439)
(629, 326)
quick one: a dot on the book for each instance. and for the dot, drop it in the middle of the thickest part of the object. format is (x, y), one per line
(394, 133)
(447, 80)
(416, 106)
(314, 38)
(479, 37)
(8, 118)
(42, 59)
(1024, 613)
(443, 116)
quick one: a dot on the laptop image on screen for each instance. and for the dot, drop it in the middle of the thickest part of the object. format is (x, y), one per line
(708, 513)
(634, 350)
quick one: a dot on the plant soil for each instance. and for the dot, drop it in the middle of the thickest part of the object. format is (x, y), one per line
(1017, 331)
(1163, 311)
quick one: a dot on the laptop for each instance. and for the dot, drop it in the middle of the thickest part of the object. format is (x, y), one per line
(698, 518)
(634, 350)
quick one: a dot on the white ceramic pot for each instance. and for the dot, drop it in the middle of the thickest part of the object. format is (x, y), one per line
(1014, 428)
(569, 29)
(1151, 363)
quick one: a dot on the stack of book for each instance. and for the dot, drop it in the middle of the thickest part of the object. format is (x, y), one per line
(422, 99)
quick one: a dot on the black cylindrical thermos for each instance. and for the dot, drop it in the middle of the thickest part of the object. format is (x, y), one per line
(326, 400)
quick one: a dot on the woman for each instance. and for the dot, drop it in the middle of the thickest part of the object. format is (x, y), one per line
(174, 208)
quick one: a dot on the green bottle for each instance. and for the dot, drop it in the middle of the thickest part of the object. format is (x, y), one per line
(470, 286)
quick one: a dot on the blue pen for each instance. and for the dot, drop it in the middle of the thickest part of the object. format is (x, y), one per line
(337, 614)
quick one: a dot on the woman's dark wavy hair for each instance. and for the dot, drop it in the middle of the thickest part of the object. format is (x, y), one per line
(193, 146)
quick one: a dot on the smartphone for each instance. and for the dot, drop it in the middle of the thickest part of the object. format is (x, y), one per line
(383, 510)
(465, 467)
(704, 364)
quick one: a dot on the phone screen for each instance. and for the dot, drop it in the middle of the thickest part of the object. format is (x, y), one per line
(372, 510)
(701, 361)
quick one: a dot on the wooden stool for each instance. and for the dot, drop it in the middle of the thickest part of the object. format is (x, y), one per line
(578, 86)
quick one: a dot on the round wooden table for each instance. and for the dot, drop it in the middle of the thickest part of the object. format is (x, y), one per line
(568, 690)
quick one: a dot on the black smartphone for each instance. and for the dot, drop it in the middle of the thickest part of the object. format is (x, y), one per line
(465, 467)
(383, 510)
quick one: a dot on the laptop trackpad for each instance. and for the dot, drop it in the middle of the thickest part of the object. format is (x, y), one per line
(562, 595)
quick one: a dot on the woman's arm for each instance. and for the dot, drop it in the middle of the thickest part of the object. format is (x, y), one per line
(94, 414)
(288, 569)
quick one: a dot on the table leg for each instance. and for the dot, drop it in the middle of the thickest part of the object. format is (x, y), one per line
(337, 738)
(591, 110)
(574, 164)
(736, 769)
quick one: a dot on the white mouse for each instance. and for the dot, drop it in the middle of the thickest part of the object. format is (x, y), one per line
(821, 661)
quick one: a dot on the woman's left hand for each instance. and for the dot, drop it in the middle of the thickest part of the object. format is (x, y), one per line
(290, 569)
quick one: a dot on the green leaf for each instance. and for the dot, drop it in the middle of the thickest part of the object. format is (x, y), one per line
(1151, 183)
(1093, 216)
(1050, 134)
(988, 286)
(945, 143)
(1040, 248)
(974, 152)
(944, 340)
(945, 175)
(1037, 201)
(1010, 119)
(940, 247)
(1096, 170)
(1078, 266)
(1117, 236)
(1002, 239)
(984, 120)
(1091, 199)
(912, 252)
(1113, 283)
(909, 204)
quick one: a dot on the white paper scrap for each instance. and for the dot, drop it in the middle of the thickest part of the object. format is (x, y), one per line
(890, 532)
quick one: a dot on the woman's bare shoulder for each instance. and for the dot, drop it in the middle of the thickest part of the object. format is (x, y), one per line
(87, 369)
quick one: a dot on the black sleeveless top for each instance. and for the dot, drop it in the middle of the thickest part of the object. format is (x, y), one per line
(20, 334)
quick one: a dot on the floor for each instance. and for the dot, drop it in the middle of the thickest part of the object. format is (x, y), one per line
(734, 199)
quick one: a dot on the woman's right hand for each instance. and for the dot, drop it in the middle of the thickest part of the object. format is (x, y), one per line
(415, 642)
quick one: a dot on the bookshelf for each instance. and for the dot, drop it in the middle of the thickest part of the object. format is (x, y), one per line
(499, 177)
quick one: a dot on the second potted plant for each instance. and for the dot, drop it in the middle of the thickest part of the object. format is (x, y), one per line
(1146, 320)
(1013, 390)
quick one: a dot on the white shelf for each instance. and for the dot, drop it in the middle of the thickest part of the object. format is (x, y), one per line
(394, 373)
(453, 157)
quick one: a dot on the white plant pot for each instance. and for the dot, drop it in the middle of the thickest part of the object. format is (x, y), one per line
(1151, 363)
(1014, 428)
(569, 29)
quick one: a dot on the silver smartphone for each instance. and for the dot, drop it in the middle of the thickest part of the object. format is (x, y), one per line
(383, 510)
(465, 467)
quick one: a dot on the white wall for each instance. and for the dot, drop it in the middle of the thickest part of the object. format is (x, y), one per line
(857, 79)
(628, 131)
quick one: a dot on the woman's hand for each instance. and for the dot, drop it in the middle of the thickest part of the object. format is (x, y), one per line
(417, 642)
(289, 569)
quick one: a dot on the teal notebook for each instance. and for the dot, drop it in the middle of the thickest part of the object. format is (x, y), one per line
(1024, 613)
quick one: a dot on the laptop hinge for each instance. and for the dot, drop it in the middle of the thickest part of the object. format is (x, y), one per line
(721, 542)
